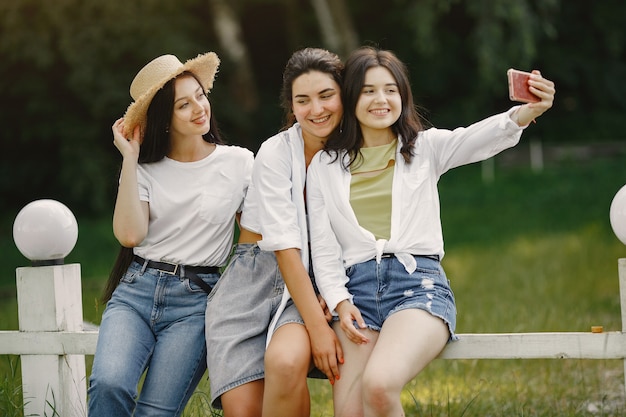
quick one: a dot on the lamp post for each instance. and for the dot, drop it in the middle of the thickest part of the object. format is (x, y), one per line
(50, 300)
(617, 216)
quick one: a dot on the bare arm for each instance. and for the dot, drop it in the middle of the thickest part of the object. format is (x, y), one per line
(130, 217)
(324, 343)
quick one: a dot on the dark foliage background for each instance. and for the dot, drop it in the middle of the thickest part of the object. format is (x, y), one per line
(66, 65)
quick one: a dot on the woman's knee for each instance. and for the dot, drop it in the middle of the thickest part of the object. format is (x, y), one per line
(286, 362)
(379, 391)
(289, 352)
(106, 387)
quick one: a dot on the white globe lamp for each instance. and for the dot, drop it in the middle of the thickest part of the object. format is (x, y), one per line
(617, 214)
(45, 231)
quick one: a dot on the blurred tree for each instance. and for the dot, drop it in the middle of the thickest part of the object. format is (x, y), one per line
(229, 33)
(458, 52)
(66, 66)
(464, 49)
(336, 26)
(587, 57)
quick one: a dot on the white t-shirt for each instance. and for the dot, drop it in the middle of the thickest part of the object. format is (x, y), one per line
(193, 206)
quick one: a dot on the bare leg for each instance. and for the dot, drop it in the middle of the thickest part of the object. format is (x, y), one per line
(244, 401)
(409, 340)
(347, 391)
(287, 363)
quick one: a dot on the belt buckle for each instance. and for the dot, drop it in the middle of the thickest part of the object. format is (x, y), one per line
(174, 272)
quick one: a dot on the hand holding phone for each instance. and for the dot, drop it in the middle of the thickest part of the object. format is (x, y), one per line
(518, 86)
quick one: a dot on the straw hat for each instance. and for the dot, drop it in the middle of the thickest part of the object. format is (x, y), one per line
(152, 77)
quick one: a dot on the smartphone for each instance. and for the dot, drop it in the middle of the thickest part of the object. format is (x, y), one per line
(518, 86)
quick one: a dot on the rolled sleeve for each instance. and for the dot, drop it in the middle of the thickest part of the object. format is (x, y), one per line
(326, 252)
(278, 213)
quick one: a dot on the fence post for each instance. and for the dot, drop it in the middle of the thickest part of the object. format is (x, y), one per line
(621, 264)
(536, 155)
(49, 299)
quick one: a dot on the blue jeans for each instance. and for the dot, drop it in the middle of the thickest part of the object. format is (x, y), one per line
(154, 321)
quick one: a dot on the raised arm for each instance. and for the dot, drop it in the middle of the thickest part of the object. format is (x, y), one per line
(130, 217)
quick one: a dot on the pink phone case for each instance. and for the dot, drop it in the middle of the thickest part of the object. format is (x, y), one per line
(518, 87)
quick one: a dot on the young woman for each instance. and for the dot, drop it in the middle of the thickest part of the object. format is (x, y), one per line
(375, 227)
(250, 306)
(179, 192)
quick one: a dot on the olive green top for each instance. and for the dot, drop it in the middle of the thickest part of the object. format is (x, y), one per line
(370, 189)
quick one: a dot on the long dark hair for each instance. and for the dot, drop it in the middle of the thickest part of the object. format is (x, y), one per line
(122, 262)
(407, 126)
(155, 146)
(301, 62)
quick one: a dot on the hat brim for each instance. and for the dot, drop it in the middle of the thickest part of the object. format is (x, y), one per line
(204, 67)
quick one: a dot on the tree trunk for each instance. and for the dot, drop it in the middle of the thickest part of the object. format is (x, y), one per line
(336, 26)
(229, 34)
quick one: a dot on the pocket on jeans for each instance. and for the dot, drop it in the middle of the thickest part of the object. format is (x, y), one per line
(428, 265)
(194, 288)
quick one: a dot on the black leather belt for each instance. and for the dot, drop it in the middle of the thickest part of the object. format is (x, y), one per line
(183, 271)
(393, 255)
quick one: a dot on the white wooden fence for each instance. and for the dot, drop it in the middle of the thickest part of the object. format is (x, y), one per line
(52, 343)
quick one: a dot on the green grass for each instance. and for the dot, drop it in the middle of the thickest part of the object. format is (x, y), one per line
(526, 253)
(11, 389)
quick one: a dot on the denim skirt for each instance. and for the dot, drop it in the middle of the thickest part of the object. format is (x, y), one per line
(239, 311)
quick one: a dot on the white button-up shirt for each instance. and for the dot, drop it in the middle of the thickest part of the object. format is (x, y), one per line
(337, 239)
(278, 180)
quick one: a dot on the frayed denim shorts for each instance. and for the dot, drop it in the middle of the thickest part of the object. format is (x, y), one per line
(381, 289)
(239, 311)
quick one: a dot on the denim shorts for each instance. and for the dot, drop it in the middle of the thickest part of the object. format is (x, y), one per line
(381, 289)
(239, 311)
